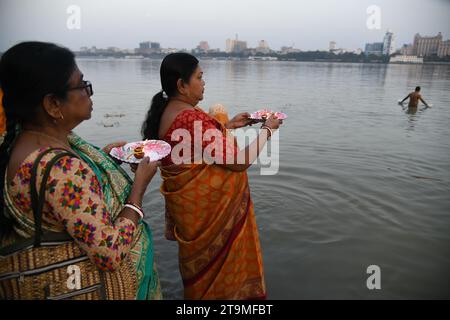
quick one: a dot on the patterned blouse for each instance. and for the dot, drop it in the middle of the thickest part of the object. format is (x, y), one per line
(186, 120)
(74, 203)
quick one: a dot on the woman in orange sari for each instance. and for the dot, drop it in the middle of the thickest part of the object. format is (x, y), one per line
(209, 211)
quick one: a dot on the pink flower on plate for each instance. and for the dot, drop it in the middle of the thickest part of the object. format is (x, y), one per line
(265, 113)
(156, 149)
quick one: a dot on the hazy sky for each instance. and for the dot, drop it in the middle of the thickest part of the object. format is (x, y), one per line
(308, 24)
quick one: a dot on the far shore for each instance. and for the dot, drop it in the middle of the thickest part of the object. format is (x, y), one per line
(256, 58)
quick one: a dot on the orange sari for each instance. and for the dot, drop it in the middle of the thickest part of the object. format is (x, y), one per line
(210, 214)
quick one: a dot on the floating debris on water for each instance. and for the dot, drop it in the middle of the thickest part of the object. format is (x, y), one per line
(108, 124)
(114, 115)
(426, 178)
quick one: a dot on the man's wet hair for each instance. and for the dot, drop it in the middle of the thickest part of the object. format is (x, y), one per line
(417, 88)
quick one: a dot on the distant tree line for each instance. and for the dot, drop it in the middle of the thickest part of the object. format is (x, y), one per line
(294, 56)
(304, 56)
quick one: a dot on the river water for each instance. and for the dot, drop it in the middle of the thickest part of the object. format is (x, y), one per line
(361, 181)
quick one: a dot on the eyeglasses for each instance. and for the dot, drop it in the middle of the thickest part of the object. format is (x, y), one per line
(87, 85)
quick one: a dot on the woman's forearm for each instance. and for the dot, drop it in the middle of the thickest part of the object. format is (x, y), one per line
(136, 196)
(245, 157)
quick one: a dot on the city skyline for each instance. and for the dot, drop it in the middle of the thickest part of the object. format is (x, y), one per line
(282, 23)
(387, 46)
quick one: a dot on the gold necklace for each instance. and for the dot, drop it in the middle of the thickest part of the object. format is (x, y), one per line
(66, 145)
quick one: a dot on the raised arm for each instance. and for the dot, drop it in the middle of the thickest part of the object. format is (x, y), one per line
(252, 151)
(223, 151)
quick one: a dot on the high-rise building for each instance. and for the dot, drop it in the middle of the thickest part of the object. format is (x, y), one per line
(444, 49)
(203, 45)
(235, 46)
(240, 46)
(389, 43)
(155, 45)
(229, 45)
(407, 50)
(263, 47)
(426, 46)
(332, 46)
(144, 45)
(149, 47)
(375, 48)
(263, 44)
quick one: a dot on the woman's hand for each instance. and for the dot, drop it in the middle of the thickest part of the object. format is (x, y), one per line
(107, 148)
(239, 121)
(145, 172)
(272, 122)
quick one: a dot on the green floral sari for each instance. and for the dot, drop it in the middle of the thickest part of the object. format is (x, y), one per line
(116, 187)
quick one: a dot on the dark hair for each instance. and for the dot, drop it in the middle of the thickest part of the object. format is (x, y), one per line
(417, 88)
(28, 72)
(174, 66)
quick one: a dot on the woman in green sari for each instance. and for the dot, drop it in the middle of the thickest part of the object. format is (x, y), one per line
(88, 195)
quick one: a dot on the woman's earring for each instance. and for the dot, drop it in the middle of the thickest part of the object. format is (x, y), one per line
(62, 117)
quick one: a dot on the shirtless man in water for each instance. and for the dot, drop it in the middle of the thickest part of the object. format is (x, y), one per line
(414, 98)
